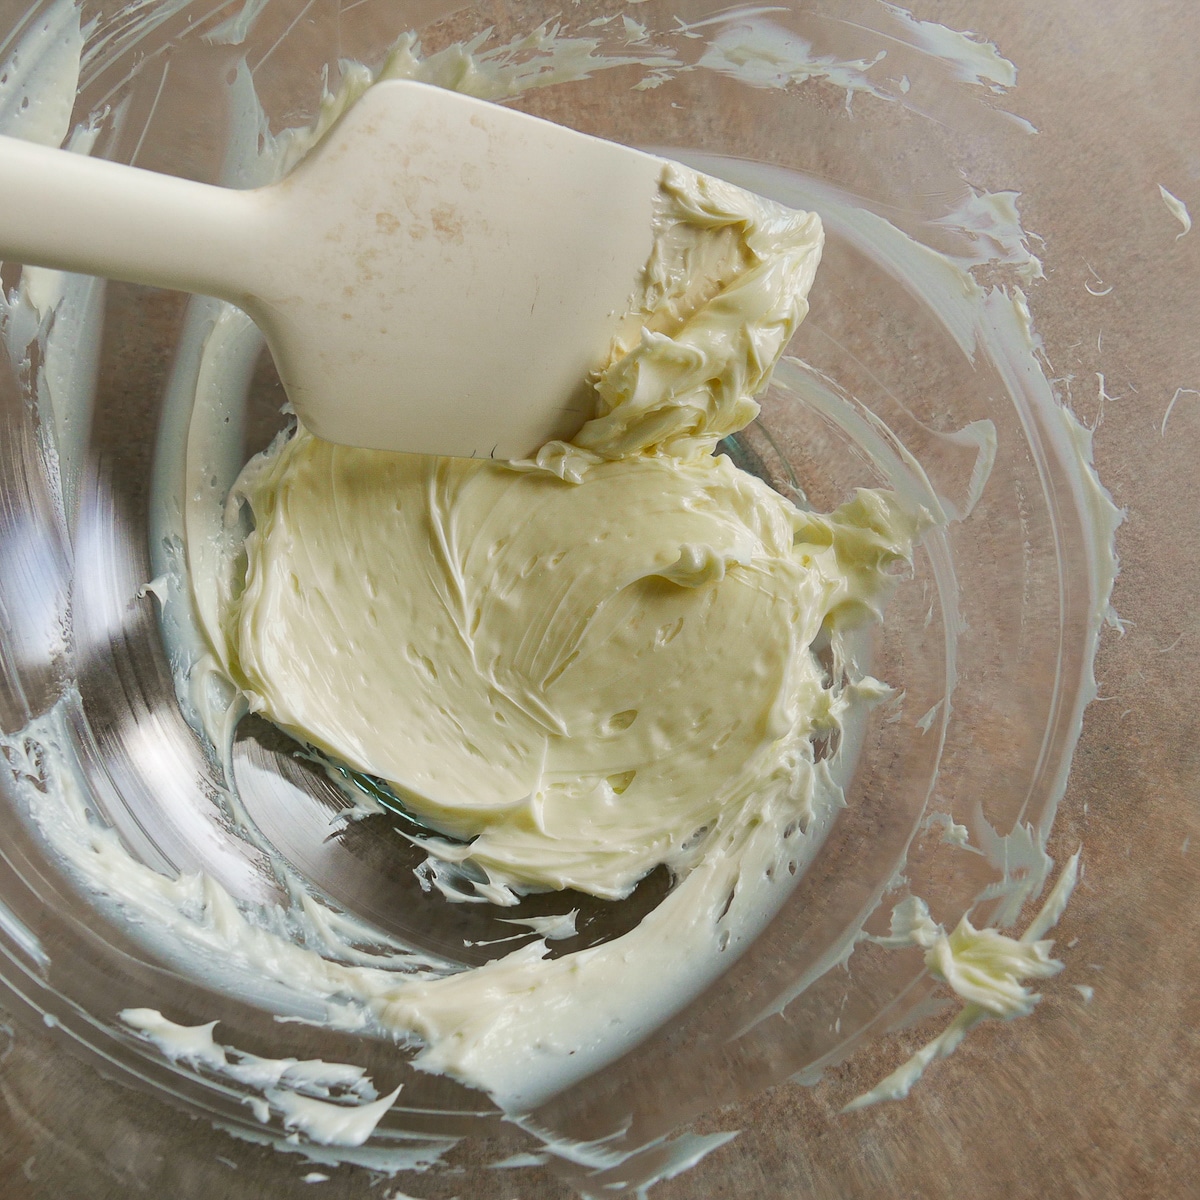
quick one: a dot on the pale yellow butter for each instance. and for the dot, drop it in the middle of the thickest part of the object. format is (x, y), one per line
(587, 663)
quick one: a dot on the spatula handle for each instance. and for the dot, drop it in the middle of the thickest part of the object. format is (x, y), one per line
(75, 213)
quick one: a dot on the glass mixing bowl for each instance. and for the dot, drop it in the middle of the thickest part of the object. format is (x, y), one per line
(913, 370)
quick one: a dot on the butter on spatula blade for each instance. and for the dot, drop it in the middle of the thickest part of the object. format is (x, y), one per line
(439, 274)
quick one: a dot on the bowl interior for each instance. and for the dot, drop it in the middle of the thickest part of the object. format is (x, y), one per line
(913, 370)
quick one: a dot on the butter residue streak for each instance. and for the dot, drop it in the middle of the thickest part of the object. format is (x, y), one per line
(332, 1104)
(762, 54)
(1177, 209)
(591, 662)
(982, 966)
(986, 967)
(974, 58)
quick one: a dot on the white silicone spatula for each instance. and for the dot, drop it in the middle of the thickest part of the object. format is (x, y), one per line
(438, 275)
